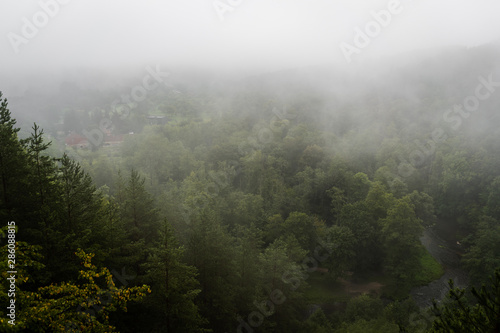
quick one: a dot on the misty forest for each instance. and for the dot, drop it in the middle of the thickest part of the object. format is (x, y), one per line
(285, 202)
(346, 198)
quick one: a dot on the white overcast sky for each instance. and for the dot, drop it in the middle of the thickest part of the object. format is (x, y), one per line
(256, 34)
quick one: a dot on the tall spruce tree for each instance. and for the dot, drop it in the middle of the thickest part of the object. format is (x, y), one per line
(211, 250)
(140, 221)
(43, 172)
(174, 286)
(137, 209)
(13, 167)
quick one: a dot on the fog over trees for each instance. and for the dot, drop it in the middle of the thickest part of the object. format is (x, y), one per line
(233, 166)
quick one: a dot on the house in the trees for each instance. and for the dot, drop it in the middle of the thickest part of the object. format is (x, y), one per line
(76, 140)
(113, 140)
(157, 120)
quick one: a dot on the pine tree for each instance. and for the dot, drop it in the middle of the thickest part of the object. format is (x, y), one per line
(13, 167)
(456, 315)
(138, 211)
(43, 165)
(174, 286)
(44, 196)
(79, 203)
(211, 250)
(139, 220)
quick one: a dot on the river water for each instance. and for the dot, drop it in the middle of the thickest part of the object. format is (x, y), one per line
(446, 254)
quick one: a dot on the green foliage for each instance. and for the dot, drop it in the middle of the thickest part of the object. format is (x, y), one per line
(363, 307)
(243, 209)
(341, 245)
(14, 167)
(368, 248)
(359, 186)
(70, 306)
(312, 156)
(492, 207)
(216, 264)
(249, 245)
(458, 183)
(378, 200)
(484, 255)
(458, 315)
(174, 287)
(424, 207)
(371, 326)
(280, 275)
(430, 269)
(247, 211)
(79, 202)
(44, 166)
(301, 227)
(338, 200)
(137, 209)
(317, 323)
(401, 230)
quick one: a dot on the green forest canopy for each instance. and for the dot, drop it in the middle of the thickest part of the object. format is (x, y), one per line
(247, 216)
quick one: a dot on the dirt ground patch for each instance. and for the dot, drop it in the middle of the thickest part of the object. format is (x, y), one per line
(354, 289)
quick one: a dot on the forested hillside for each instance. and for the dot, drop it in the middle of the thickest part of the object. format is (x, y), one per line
(288, 202)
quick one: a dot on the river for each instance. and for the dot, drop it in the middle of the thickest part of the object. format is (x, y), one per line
(446, 254)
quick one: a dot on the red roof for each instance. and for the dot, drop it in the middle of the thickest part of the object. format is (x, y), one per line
(75, 139)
